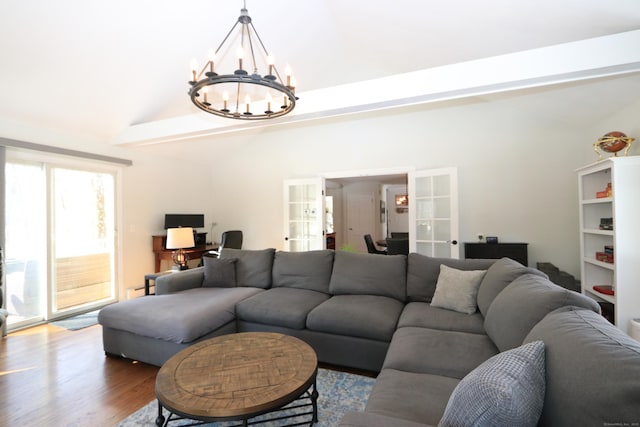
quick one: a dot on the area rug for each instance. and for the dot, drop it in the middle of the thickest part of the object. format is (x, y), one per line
(80, 321)
(339, 392)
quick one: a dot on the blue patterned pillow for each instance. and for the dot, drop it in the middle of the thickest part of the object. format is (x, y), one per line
(506, 390)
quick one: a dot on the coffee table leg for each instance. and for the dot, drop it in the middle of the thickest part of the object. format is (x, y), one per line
(314, 402)
(160, 419)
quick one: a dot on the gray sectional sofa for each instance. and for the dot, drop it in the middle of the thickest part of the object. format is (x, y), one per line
(455, 342)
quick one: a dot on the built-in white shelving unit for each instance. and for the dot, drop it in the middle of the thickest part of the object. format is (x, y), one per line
(623, 206)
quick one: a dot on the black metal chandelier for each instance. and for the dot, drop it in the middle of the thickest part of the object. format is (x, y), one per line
(243, 94)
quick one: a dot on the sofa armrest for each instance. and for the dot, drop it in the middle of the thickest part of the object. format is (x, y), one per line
(180, 281)
(367, 419)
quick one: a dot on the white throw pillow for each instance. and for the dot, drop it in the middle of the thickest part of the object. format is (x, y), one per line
(457, 289)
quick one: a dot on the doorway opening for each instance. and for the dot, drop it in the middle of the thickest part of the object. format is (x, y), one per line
(364, 203)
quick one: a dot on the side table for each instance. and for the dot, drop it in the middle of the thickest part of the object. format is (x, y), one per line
(153, 276)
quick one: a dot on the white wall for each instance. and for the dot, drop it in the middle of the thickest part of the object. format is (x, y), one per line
(515, 155)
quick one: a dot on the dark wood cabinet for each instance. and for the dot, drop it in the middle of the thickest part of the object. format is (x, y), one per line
(515, 251)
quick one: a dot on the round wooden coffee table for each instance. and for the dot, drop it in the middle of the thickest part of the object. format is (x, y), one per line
(238, 377)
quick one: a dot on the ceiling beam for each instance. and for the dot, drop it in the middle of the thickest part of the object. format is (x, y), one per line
(585, 59)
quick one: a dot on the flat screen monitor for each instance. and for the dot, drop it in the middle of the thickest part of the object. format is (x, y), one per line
(183, 220)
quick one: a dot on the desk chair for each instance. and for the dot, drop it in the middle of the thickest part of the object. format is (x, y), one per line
(397, 246)
(371, 247)
(230, 239)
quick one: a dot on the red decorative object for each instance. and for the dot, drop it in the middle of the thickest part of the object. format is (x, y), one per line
(607, 290)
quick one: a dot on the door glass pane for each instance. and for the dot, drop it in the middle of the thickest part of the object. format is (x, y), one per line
(26, 243)
(83, 226)
(423, 187)
(441, 185)
(442, 207)
(424, 248)
(442, 230)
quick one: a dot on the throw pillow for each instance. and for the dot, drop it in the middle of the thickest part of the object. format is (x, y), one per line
(219, 272)
(506, 390)
(457, 289)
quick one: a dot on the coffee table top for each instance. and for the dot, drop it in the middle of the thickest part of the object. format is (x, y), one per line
(236, 376)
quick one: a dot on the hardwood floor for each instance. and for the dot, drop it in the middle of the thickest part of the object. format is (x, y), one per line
(53, 377)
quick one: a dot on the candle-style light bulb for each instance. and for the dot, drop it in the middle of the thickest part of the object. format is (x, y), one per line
(240, 55)
(293, 84)
(247, 101)
(212, 59)
(271, 60)
(205, 91)
(225, 100)
(287, 72)
(194, 68)
(268, 99)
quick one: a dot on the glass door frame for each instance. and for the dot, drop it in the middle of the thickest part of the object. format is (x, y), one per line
(51, 161)
(436, 242)
(304, 212)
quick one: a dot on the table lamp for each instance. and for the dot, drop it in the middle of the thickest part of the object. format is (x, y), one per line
(180, 238)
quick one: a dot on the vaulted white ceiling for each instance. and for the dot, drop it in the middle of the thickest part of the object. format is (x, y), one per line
(101, 68)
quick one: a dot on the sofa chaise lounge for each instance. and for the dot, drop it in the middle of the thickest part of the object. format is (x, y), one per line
(436, 330)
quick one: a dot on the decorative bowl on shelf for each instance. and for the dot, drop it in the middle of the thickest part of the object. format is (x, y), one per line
(612, 142)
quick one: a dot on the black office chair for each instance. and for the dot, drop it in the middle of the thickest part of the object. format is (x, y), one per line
(230, 239)
(397, 246)
(371, 247)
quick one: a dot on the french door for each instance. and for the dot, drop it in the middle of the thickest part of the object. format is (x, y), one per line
(304, 213)
(433, 212)
(60, 224)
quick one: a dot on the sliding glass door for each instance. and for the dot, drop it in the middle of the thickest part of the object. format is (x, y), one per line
(83, 238)
(25, 242)
(60, 240)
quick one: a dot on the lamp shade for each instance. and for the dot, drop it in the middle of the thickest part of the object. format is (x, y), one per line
(178, 238)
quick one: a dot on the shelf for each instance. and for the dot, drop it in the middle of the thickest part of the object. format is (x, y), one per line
(599, 296)
(598, 231)
(597, 201)
(607, 265)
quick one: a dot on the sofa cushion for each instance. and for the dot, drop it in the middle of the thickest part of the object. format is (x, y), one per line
(499, 275)
(306, 270)
(506, 390)
(368, 274)
(253, 267)
(365, 316)
(219, 272)
(430, 351)
(592, 370)
(181, 317)
(424, 315)
(287, 307)
(524, 303)
(423, 272)
(457, 290)
(410, 396)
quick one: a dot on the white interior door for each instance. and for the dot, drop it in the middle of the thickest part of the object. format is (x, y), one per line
(304, 215)
(433, 212)
(361, 216)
